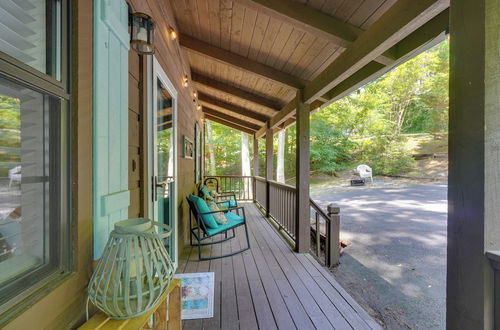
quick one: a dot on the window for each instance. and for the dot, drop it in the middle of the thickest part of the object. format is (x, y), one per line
(34, 162)
(30, 33)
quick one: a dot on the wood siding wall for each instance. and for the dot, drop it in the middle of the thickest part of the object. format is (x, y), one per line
(175, 65)
(136, 143)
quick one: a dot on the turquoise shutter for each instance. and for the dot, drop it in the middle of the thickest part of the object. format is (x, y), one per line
(110, 155)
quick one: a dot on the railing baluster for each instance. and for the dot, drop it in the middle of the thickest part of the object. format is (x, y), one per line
(318, 234)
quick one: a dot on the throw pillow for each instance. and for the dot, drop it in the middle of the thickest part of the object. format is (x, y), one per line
(219, 217)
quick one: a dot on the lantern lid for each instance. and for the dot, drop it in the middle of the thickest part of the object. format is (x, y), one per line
(139, 225)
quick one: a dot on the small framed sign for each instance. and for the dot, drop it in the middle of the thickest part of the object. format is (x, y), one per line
(187, 148)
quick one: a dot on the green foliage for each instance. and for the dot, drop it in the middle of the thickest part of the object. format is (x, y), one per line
(330, 148)
(386, 155)
(227, 148)
(10, 141)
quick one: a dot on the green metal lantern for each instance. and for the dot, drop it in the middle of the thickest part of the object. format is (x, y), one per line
(134, 270)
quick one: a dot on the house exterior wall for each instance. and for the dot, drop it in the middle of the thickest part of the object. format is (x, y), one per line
(64, 306)
(175, 65)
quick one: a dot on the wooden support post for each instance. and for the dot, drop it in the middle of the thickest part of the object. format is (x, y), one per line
(302, 214)
(269, 164)
(474, 176)
(255, 166)
(333, 236)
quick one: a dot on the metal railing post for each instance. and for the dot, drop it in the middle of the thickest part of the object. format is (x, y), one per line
(333, 237)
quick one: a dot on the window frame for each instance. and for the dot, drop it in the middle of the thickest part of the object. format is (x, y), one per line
(42, 280)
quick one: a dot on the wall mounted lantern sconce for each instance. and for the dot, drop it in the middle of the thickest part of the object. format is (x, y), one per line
(142, 32)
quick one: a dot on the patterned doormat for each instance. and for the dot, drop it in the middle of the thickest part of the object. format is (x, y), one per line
(197, 295)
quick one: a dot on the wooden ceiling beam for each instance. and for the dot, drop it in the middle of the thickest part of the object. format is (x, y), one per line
(395, 24)
(238, 61)
(214, 103)
(230, 124)
(312, 21)
(232, 119)
(285, 113)
(418, 41)
(234, 91)
(261, 132)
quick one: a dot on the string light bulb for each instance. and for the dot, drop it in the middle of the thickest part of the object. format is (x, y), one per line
(195, 95)
(172, 32)
(185, 80)
(198, 107)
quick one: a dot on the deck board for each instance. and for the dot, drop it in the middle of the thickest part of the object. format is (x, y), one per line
(271, 287)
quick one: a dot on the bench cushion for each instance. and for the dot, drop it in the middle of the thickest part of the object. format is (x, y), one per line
(229, 203)
(233, 220)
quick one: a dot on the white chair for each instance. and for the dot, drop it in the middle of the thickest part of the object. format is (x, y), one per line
(365, 171)
(15, 175)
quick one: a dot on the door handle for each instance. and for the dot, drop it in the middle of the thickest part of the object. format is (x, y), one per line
(157, 185)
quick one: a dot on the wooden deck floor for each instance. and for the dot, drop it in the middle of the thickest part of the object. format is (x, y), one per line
(270, 286)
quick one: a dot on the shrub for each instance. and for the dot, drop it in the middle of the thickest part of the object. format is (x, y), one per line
(386, 155)
(331, 150)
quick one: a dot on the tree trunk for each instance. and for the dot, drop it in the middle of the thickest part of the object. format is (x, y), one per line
(245, 166)
(280, 169)
(210, 145)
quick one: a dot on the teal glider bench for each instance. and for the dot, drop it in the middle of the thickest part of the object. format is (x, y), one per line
(205, 226)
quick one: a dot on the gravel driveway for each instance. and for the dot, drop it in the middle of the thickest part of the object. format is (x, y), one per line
(395, 265)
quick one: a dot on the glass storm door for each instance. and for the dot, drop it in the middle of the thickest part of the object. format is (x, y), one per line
(163, 149)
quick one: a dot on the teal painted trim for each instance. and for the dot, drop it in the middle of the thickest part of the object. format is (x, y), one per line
(115, 202)
(118, 24)
(110, 118)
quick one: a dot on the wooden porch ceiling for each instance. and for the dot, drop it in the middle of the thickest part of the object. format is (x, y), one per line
(248, 57)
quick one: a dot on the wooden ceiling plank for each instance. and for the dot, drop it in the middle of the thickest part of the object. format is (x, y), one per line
(307, 19)
(312, 21)
(234, 91)
(216, 103)
(229, 124)
(232, 119)
(226, 12)
(393, 26)
(240, 62)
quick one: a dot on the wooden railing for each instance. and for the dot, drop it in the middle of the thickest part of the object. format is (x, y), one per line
(282, 208)
(278, 201)
(325, 233)
(260, 190)
(242, 186)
